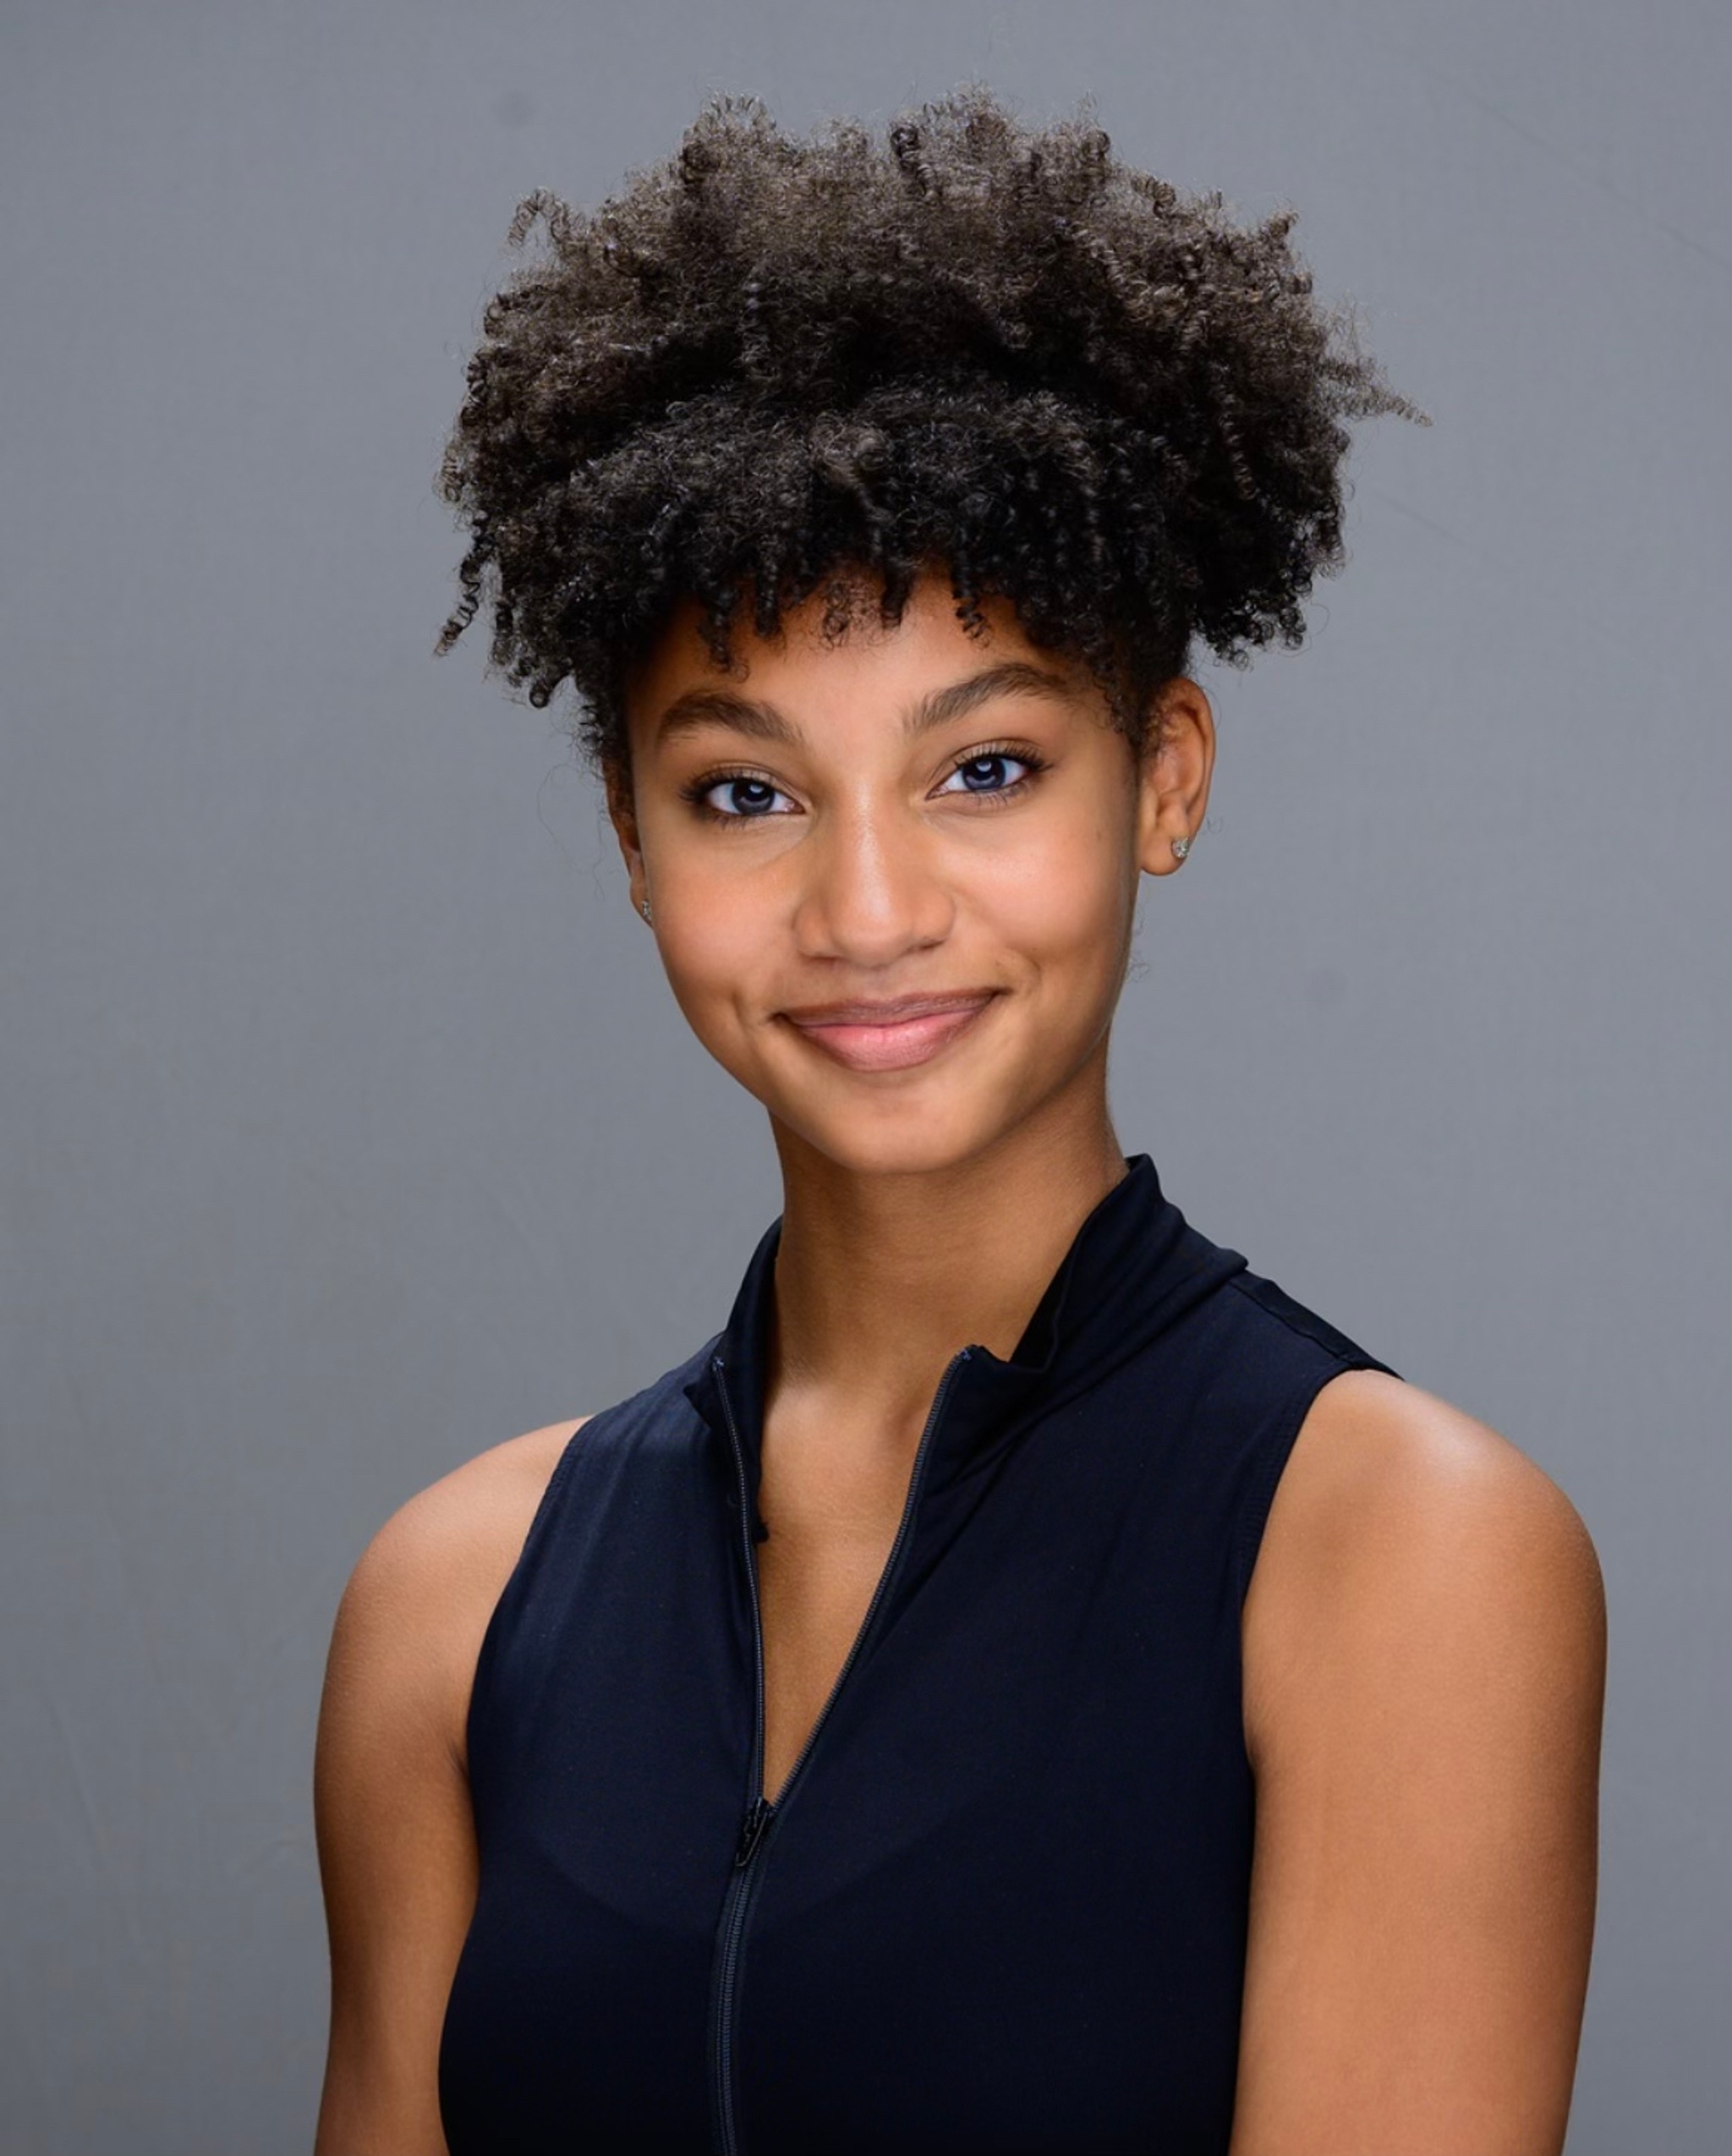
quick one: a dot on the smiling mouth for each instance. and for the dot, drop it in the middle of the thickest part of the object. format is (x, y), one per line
(893, 1035)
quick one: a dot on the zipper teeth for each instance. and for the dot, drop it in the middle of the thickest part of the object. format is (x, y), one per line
(735, 1925)
(736, 1907)
(734, 1913)
(746, 1539)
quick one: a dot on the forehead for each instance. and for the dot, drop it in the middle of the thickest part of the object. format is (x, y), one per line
(803, 667)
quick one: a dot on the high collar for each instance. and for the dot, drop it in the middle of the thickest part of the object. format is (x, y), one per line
(1134, 1266)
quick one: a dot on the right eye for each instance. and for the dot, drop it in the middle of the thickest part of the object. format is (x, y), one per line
(736, 796)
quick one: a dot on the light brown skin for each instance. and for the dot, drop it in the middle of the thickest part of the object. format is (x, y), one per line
(1424, 1636)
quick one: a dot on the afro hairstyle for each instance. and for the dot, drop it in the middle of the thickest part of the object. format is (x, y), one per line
(771, 364)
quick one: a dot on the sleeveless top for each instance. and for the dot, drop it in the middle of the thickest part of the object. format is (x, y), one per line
(1000, 1902)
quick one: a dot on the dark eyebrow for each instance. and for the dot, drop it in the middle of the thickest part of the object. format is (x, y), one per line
(702, 707)
(724, 707)
(1016, 677)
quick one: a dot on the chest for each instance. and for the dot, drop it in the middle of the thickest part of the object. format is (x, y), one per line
(829, 1539)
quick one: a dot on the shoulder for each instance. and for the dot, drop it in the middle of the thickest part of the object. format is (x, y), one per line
(1424, 1667)
(467, 1520)
(1408, 1538)
(411, 1618)
(396, 1834)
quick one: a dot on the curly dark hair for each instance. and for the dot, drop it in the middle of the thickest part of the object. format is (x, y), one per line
(770, 364)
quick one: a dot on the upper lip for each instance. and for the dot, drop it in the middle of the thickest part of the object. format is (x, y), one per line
(886, 1012)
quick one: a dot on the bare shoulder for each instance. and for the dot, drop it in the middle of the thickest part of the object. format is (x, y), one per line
(1396, 1505)
(417, 1604)
(1424, 1666)
(468, 1521)
(397, 1858)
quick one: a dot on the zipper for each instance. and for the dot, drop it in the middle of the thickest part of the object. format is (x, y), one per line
(752, 1828)
(762, 1812)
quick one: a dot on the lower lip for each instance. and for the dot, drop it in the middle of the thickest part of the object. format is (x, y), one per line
(898, 1047)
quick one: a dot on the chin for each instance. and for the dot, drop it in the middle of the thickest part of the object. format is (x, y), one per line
(914, 1136)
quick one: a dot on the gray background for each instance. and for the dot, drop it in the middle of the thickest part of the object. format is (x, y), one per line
(350, 1127)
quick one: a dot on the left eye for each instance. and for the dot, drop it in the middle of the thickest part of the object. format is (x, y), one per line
(743, 797)
(988, 774)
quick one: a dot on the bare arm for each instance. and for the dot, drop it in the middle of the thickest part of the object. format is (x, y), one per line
(1425, 1658)
(396, 1843)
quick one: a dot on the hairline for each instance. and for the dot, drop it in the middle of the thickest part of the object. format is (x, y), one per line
(694, 709)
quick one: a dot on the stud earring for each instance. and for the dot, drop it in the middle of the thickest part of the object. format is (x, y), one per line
(1181, 846)
(643, 907)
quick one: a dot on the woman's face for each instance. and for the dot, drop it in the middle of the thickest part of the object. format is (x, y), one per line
(893, 878)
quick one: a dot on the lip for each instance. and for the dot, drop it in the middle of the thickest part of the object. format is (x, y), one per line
(886, 1010)
(892, 1034)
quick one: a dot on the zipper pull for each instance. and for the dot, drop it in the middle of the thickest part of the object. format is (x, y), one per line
(751, 1830)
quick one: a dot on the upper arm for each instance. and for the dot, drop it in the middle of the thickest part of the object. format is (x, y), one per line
(1424, 1659)
(396, 1843)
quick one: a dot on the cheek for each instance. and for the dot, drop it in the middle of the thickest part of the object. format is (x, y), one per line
(716, 951)
(1062, 900)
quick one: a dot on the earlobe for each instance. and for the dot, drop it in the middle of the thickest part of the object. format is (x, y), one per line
(1162, 855)
(1163, 835)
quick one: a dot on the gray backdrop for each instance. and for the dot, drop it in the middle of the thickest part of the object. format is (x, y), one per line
(350, 1127)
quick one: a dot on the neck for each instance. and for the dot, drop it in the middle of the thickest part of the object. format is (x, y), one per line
(879, 1279)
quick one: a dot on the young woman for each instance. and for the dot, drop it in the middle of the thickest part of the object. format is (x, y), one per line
(1027, 1683)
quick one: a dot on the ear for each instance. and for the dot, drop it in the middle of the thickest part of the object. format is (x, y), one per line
(1173, 773)
(623, 815)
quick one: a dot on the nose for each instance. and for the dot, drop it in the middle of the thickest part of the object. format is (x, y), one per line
(870, 890)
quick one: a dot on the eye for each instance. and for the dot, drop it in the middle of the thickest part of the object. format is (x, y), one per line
(992, 771)
(736, 797)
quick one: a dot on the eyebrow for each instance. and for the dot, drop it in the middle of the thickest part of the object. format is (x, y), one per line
(702, 707)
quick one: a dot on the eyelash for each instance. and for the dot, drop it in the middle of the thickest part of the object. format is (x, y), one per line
(1008, 752)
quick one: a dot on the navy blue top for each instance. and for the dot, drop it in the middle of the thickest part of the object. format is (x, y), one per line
(999, 1903)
